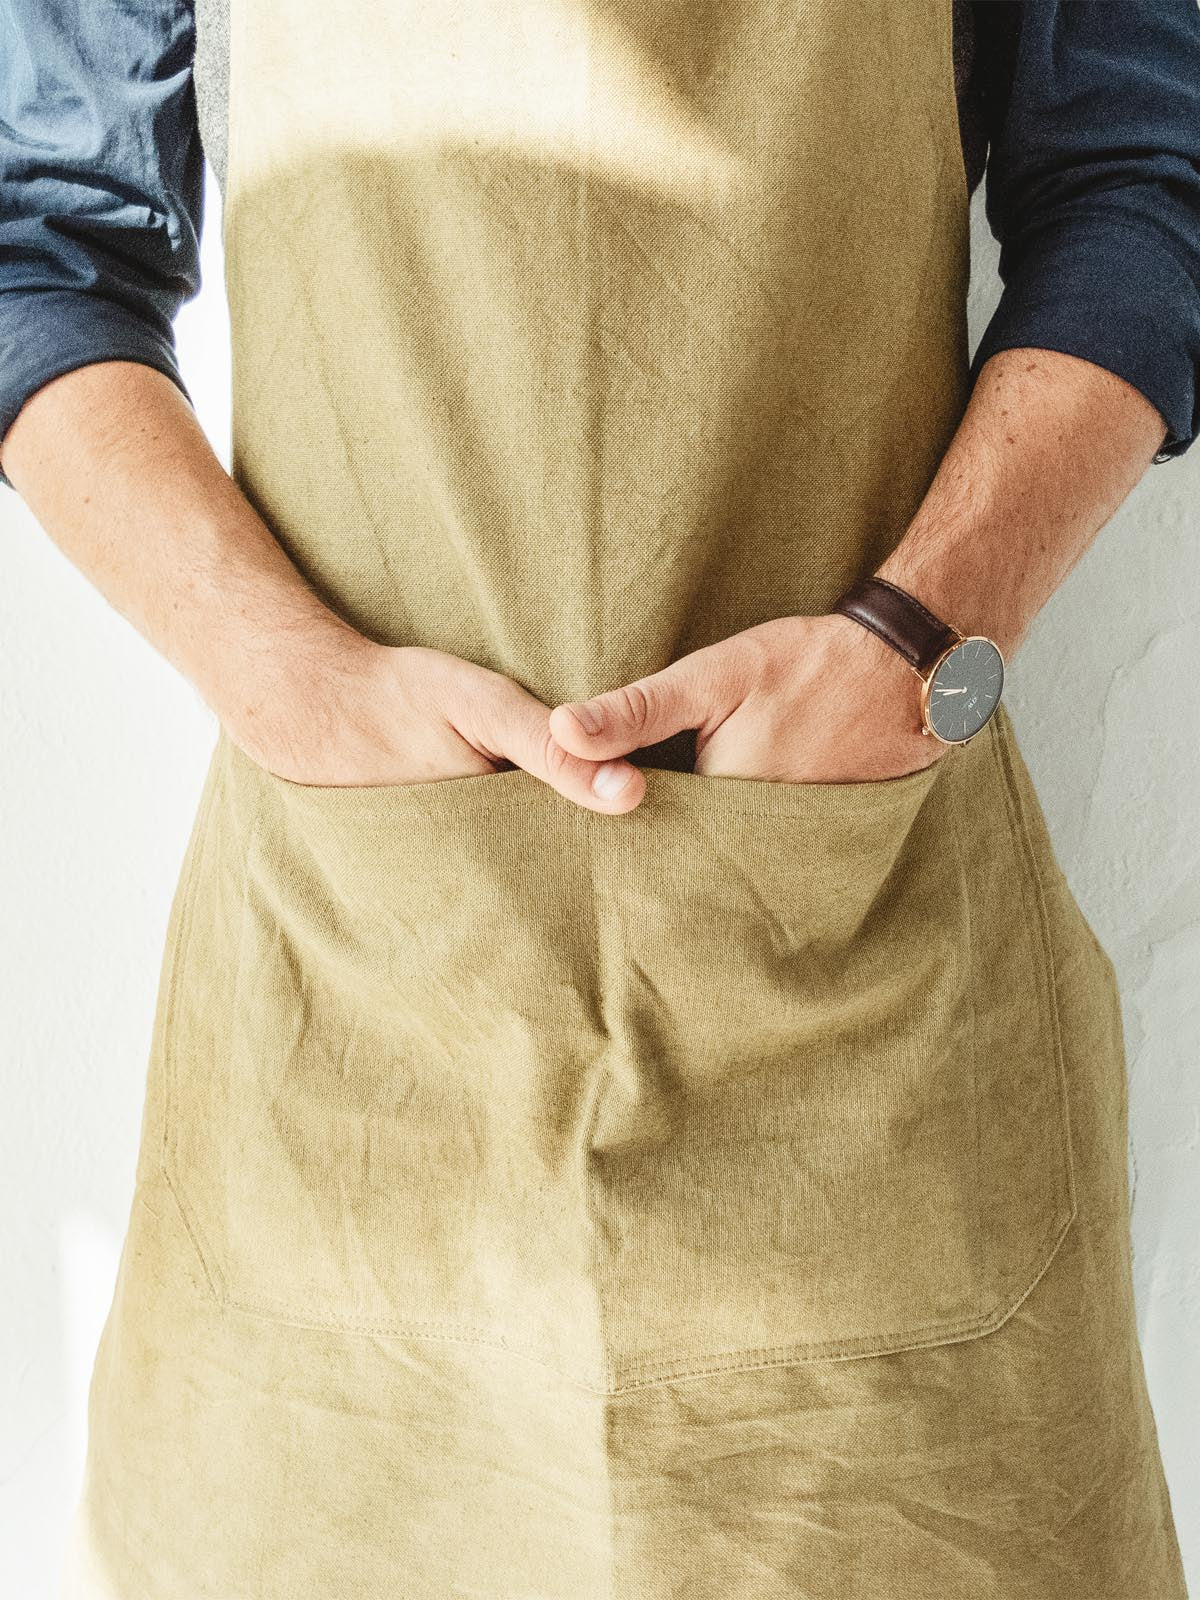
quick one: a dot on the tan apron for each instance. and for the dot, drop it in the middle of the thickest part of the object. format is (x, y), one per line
(723, 1200)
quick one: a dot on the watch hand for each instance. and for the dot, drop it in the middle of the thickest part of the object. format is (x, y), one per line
(939, 690)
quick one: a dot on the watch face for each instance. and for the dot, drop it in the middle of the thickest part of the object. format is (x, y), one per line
(965, 690)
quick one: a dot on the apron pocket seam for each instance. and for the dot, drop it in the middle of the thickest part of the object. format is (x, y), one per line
(1037, 918)
(207, 1258)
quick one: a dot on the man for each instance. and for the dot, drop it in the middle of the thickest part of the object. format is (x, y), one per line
(635, 1108)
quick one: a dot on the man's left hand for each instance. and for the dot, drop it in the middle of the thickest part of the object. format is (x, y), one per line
(805, 699)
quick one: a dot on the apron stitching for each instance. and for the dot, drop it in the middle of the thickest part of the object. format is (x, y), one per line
(960, 859)
(736, 1361)
(790, 1354)
(179, 952)
(1036, 916)
(605, 1387)
(598, 913)
(756, 1360)
(449, 1333)
(185, 1217)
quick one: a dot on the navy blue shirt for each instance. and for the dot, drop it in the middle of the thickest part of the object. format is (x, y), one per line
(1090, 111)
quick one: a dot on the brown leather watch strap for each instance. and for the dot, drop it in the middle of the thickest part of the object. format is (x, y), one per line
(899, 619)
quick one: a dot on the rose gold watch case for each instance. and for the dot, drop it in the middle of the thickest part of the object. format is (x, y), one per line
(927, 686)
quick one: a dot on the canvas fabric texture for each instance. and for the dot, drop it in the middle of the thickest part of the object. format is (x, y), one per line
(725, 1200)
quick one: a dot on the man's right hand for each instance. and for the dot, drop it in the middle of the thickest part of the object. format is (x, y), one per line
(394, 715)
(143, 508)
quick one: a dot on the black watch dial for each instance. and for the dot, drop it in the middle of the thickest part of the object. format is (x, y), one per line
(964, 690)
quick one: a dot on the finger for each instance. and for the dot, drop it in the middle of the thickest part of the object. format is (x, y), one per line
(515, 726)
(608, 786)
(698, 689)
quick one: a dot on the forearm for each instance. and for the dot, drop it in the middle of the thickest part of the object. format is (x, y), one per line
(1048, 448)
(111, 460)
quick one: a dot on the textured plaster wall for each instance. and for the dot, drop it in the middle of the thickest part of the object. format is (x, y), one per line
(103, 749)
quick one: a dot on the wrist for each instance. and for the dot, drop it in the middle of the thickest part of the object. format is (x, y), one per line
(961, 675)
(972, 602)
(876, 670)
(289, 702)
(876, 698)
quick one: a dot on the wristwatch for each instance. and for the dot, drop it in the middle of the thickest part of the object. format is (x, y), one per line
(962, 675)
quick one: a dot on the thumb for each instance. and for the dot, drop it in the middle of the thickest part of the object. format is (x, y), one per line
(500, 718)
(697, 689)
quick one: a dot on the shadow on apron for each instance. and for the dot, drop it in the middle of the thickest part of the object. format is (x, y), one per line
(759, 1073)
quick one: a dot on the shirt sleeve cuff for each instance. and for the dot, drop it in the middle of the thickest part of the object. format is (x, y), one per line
(1112, 291)
(46, 332)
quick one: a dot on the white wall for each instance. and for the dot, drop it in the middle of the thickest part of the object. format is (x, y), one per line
(104, 748)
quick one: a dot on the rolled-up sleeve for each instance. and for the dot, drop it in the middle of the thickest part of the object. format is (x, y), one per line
(101, 187)
(1093, 190)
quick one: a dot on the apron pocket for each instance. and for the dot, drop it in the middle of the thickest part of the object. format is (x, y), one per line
(836, 1124)
(757, 1073)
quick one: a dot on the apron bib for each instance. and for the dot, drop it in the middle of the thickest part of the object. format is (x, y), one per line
(569, 338)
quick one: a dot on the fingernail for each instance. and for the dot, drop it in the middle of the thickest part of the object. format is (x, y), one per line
(588, 716)
(610, 779)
